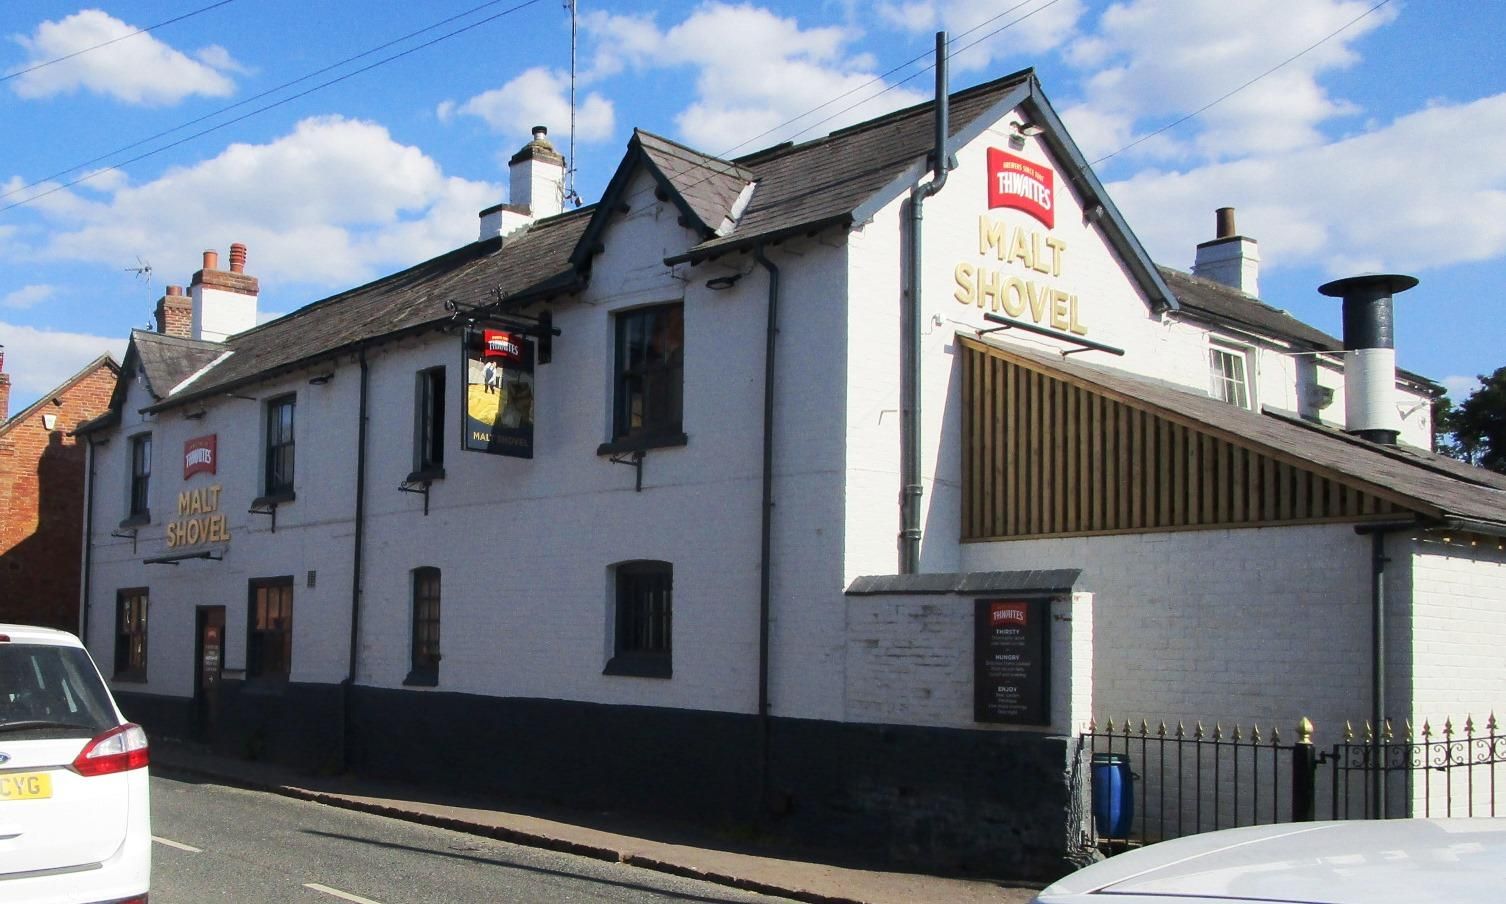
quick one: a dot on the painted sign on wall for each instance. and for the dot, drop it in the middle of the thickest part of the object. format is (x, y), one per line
(1011, 660)
(199, 455)
(498, 393)
(1018, 268)
(199, 519)
(1016, 182)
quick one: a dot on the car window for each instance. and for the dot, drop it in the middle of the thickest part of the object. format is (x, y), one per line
(51, 688)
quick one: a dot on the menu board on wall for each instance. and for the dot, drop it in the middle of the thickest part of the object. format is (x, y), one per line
(1011, 661)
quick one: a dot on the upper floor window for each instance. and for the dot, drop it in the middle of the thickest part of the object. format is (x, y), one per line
(130, 634)
(425, 653)
(1229, 374)
(650, 362)
(279, 451)
(141, 476)
(644, 610)
(269, 640)
(428, 425)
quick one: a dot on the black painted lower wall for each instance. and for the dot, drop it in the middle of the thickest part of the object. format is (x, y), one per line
(992, 803)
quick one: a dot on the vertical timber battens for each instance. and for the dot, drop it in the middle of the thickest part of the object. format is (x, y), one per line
(1043, 456)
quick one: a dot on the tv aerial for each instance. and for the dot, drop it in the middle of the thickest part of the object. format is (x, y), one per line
(143, 270)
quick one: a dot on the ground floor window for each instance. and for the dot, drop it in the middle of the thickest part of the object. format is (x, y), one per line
(269, 639)
(425, 655)
(643, 619)
(130, 634)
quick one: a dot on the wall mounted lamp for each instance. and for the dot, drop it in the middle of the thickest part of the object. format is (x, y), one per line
(321, 379)
(718, 283)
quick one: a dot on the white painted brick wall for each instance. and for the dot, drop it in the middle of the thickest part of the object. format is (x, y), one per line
(1259, 626)
(910, 661)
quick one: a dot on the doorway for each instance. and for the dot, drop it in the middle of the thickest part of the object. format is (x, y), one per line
(209, 664)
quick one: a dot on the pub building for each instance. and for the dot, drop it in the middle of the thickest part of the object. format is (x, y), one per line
(831, 490)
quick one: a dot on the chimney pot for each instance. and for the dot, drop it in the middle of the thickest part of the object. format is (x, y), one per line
(174, 290)
(237, 257)
(1225, 224)
(211, 260)
(540, 131)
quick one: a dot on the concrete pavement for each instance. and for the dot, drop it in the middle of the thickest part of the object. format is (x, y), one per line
(603, 836)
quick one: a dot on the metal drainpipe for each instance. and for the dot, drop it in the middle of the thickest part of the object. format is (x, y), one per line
(766, 555)
(1377, 667)
(83, 607)
(909, 559)
(347, 704)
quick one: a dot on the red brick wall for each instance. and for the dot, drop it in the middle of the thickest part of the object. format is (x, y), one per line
(42, 506)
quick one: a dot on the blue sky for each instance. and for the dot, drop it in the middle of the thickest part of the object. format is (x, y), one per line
(1377, 150)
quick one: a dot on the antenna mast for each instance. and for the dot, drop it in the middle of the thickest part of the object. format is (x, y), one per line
(570, 194)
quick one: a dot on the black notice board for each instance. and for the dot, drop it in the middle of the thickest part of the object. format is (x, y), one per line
(1011, 661)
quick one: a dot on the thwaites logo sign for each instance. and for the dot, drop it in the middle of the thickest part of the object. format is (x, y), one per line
(199, 455)
(1019, 184)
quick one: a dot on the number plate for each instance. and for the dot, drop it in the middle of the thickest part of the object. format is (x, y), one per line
(25, 786)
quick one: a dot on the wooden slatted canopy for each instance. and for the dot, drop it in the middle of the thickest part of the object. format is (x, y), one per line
(1048, 453)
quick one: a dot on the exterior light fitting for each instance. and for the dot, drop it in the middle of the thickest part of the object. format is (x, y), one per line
(321, 379)
(718, 283)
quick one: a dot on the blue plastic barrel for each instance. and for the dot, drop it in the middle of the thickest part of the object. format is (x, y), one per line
(1113, 795)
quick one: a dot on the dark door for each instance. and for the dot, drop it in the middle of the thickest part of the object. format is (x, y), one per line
(209, 662)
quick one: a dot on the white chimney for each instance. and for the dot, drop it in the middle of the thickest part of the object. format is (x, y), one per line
(1230, 258)
(536, 188)
(224, 302)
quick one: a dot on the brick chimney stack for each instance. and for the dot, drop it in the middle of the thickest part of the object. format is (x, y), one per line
(175, 313)
(224, 301)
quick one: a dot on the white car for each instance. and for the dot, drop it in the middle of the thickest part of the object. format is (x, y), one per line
(75, 823)
(1370, 861)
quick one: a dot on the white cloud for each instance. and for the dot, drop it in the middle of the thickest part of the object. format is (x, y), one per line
(333, 203)
(538, 96)
(1407, 197)
(39, 361)
(769, 90)
(1150, 61)
(138, 69)
(983, 32)
(27, 296)
(1460, 388)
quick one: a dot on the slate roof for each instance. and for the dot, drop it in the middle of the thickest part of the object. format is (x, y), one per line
(821, 182)
(531, 264)
(1223, 304)
(167, 361)
(1439, 488)
(709, 186)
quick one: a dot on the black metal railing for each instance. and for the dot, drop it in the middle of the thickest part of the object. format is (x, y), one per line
(1148, 784)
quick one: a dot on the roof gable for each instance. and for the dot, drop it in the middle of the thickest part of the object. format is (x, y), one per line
(105, 360)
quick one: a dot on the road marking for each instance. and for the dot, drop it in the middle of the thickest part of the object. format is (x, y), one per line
(343, 895)
(177, 844)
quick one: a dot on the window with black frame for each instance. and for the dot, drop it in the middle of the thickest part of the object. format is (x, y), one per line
(278, 480)
(644, 620)
(650, 361)
(130, 634)
(428, 426)
(269, 638)
(425, 656)
(141, 478)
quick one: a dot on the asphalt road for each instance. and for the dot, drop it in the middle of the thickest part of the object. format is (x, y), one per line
(218, 843)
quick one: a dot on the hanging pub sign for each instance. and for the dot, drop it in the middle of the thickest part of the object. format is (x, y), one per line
(498, 392)
(1011, 655)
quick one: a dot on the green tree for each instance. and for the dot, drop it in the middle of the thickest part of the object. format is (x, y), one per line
(1475, 430)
